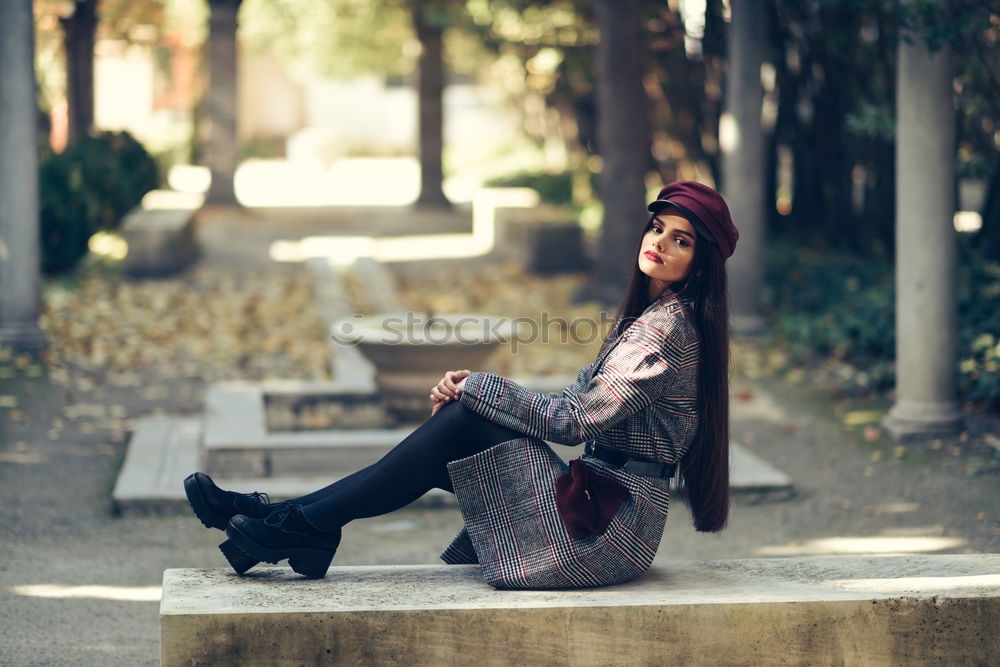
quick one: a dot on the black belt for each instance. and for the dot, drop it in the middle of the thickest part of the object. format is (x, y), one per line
(629, 464)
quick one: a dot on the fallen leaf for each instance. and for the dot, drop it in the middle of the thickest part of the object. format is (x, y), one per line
(859, 417)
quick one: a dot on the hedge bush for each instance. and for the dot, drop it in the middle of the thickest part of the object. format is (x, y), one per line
(843, 306)
(88, 187)
(552, 188)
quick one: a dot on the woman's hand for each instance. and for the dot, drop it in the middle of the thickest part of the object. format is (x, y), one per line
(448, 389)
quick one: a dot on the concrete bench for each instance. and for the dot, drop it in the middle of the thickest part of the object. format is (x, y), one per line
(888, 610)
(160, 233)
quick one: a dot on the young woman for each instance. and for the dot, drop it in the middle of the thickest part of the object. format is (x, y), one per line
(655, 398)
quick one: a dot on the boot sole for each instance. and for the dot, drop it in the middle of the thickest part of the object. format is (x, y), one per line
(312, 563)
(208, 518)
(237, 558)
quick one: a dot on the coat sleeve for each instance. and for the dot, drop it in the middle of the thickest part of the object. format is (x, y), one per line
(581, 382)
(638, 370)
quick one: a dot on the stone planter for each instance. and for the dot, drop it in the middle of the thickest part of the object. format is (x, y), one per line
(411, 352)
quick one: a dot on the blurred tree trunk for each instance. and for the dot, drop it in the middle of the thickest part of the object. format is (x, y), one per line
(742, 142)
(79, 29)
(221, 151)
(683, 108)
(430, 95)
(623, 142)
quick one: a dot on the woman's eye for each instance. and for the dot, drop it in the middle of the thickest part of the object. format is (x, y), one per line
(681, 241)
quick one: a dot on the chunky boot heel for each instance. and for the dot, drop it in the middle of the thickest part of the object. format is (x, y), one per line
(286, 533)
(240, 561)
(313, 565)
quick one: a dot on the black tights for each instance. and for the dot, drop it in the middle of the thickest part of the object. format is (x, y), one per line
(413, 467)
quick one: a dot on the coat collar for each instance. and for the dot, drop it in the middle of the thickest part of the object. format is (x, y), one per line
(663, 301)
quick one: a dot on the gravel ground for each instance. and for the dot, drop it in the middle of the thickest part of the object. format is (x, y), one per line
(79, 586)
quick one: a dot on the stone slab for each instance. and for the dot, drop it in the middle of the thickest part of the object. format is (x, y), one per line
(164, 450)
(234, 445)
(234, 412)
(839, 610)
(748, 473)
(161, 448)
(333, 302)
(161, 235)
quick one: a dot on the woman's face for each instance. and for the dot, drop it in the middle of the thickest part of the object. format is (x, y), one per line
(667, 251)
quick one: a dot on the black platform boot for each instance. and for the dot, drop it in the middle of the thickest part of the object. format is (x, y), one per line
(286, 533)
(214, 507)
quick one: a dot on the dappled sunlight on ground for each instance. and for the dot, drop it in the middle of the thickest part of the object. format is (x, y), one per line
(915, 584)
(61, 591)
(855, 546)
(343, 249)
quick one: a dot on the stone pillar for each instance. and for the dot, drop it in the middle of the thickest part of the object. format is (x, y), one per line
(926, 326)
(742, 143)
(20, 285)
(220, 152)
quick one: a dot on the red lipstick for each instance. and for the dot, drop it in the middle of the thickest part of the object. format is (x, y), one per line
(653, 256)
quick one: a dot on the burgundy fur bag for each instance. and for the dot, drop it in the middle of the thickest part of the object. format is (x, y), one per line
(586, 502)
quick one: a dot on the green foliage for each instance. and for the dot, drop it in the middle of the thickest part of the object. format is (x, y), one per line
(552, 188)
(979, 330)
(837, 305)
(843, 306)
(336, 38)
(88, 187)
(65, 219)
(871, 121)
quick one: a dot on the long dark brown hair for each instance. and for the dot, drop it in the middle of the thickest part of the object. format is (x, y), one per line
(704, 468)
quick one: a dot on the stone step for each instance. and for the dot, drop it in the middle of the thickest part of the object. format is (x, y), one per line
(233, 444)
(160, 451)
(163, 451)
(888, 610)
(238, 443)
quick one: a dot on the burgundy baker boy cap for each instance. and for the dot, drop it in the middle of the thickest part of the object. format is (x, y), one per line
(704, 208)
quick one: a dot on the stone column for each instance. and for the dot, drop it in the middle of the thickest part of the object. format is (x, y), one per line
(220, 152)
(926, 325)
(20, 285)
(742, 143)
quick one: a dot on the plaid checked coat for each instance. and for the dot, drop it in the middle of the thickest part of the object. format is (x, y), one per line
(639, 398)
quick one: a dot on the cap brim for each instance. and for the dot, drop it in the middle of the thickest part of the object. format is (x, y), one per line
(660, 204)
